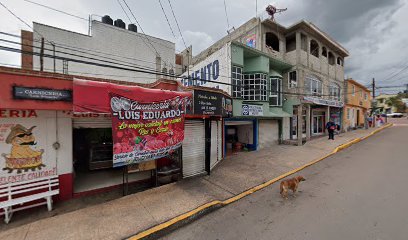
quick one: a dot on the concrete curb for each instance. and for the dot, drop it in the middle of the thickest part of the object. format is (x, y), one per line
(172, 224)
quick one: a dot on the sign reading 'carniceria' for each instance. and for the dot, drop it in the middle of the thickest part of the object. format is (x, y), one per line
(42, 94)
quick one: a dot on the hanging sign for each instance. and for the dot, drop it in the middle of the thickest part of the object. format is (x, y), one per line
(146, 130)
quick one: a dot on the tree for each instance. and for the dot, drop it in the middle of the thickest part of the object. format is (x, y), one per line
(396, 103)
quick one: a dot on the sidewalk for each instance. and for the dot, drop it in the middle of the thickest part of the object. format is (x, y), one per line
(129, 215)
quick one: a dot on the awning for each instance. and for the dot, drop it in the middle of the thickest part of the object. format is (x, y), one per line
(277, 112)
(273, 73)
(92, 96)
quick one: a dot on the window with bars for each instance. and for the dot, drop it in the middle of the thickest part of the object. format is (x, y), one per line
(292, 79)
(255, 87)
(313, 86)
(237, 82)
(334, 92)
(275, 92)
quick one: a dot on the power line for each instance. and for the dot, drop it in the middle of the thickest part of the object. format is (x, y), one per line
(144, 34)
(103, 64)
(87, 74)
(396, 74)
(80, 56)
(84, 50)
(57, 10)
(171, 7)
(168, 22)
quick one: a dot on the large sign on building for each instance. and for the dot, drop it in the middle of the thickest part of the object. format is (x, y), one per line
(23, 147)
(213, 71)
(211, 103)
(147, 124)
(321, 101)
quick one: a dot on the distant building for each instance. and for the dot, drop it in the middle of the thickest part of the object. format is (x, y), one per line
(382, 105)
(293, 76)
(109, 44)
(357, 102)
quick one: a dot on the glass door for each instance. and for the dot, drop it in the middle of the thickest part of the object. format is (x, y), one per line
(318, 125)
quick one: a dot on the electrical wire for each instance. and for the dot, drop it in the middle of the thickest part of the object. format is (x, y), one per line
(167, 19)
(57, 10)
(103, 64)
(178, 27)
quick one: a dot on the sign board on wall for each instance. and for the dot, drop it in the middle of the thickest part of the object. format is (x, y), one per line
(250, 40)
(144, 131)
(211, 103)
(41, 94)
(23, 147)
(252, 110)
(321, 101)
(216, 68)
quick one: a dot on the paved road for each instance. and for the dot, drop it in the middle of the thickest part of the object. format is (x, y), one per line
(360, 193)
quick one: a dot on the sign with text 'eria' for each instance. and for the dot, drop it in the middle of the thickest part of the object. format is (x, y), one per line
(146, 130)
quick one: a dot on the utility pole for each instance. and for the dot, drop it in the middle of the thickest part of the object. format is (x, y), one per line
(42, 55)
(373, 88)
(374, 103)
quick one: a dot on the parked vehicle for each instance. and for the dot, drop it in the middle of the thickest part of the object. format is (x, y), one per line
(395, 115)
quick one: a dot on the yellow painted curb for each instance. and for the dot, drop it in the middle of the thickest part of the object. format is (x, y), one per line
(186, 215)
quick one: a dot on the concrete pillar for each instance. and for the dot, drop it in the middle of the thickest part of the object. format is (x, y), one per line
(308, 116)
(327, 117)
(300, 125)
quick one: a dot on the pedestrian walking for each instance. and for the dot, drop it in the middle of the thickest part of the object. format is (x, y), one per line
(331, 126)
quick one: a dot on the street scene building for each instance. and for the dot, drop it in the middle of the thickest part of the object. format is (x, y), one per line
(357, 104)
(120, 133)
(108, 42)
(383, 105)
(296, 74)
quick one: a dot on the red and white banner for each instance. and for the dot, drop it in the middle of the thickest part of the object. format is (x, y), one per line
(147, 124)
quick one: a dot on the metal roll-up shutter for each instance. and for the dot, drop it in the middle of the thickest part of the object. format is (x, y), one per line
(99, 122)
(193, 148)
(214, 144)
(268, 133)
(219, 139)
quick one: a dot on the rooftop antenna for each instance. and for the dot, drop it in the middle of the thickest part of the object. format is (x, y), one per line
(272, 10)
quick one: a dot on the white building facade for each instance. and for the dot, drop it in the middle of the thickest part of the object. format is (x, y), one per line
(109, 45)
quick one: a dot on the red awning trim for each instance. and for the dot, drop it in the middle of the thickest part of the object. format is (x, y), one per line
(92, 96)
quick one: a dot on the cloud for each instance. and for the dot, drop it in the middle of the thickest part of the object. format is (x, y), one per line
(374, 31)
(199, 40)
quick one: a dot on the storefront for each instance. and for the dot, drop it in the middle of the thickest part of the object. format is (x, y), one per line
(202, 147)
(240, 134)
(35, 139)
(321, 111)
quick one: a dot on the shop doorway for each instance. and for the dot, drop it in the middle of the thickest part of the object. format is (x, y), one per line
(318, 125)
(239, 136)
(93, 160)
(358, 117)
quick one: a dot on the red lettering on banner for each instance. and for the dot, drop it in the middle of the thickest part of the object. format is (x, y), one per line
(14, 113)
(32, 113)
(18, 113)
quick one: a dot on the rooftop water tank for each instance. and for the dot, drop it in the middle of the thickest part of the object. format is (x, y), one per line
(120, 23)
(132, 27)
(107, 20)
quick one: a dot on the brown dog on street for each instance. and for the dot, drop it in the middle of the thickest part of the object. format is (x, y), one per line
(291, 184)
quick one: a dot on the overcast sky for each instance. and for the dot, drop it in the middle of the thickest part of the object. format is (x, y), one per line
(374, 31)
